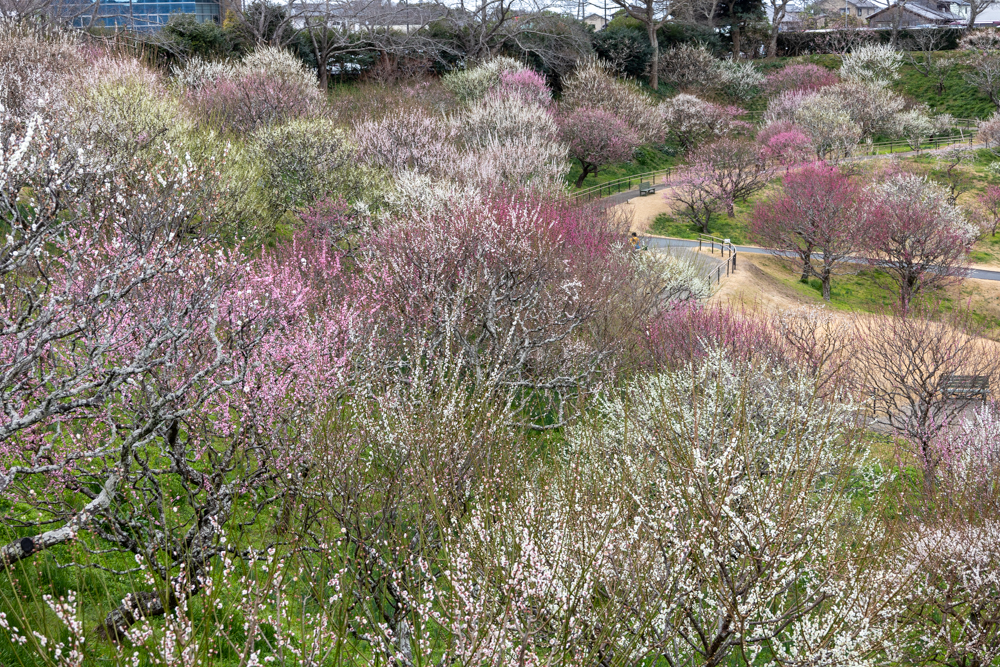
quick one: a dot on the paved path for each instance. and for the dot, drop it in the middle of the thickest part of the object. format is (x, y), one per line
(664, 242)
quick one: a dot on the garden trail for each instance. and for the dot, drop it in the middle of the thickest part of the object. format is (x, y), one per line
(645, 209)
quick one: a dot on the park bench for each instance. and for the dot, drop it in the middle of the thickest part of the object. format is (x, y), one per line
(646, 189)
(965, 386)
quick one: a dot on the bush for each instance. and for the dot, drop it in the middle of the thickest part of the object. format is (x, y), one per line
(690, 67)
(472, 85)
(205, 40)
(124, 109)
(688, 121)
(594, 85)
(270, 86)
(806, 77)
(305, 161)
(36, 64)
(626, 50)
(875, 64)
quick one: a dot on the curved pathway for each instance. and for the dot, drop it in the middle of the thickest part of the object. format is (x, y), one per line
(667, 242)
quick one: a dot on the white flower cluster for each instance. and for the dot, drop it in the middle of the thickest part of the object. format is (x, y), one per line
(910, 191)
(473, 84)
(875, 64)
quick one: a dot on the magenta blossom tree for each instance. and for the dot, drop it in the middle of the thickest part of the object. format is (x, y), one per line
(806, 77)
(596, 138)
(819, 211)
(785, 143)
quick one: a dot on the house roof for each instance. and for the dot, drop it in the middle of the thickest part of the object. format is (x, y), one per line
(921, 11)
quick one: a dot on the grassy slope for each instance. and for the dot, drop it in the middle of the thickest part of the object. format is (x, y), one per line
(735, 228)
(648, 158)
(958, 98)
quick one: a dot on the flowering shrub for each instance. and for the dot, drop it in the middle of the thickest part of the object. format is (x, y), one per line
(692, 441)
(688, 333)
(873, 64)
(829, 125)
(785, 142)
(527, 84)
(683, 279)
(510, 141)
(805, 77)
(596, 138)
(690, 67)
(739, 78)
(304, 161)
(414, 140)
(270, 86)
(37, 63)
(593, 85)
(472, 85)
(124, 109)
(689, 121)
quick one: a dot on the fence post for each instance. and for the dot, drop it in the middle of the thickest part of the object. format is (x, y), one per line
(699, 244)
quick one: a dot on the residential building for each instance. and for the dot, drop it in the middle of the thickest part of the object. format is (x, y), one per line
(596, 20)
(861, 9)
(915, 13)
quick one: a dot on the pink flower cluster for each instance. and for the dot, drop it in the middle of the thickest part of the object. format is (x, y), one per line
(806, 78)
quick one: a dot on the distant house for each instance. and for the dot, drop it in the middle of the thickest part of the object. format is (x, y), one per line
(597, 21)
(861, 9)
(959, 9)
(914, 13)
(359, 15)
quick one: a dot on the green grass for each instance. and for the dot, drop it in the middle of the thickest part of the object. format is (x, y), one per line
(647, 158)
(862, 289)
(958, 98)
(735, 229)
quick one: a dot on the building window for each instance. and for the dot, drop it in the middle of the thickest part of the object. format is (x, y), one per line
(206, 12)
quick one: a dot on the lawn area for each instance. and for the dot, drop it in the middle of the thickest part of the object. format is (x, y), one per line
(734, 229)
(647, 158)
(862, 289)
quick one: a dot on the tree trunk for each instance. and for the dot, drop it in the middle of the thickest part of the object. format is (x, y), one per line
(737, 47)
(587, 171)
(654, 63)
(826, 284)
(135, 607)
(772, 45)
(806, 264)
(324, 77)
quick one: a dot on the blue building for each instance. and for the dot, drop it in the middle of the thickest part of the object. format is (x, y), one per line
(144, 16)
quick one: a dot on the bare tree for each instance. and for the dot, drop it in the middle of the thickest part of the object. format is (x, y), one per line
(930, 63)
(778, 8)
(977, 7)
(905, 364)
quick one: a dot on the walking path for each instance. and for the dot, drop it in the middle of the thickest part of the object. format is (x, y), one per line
(669, 242)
